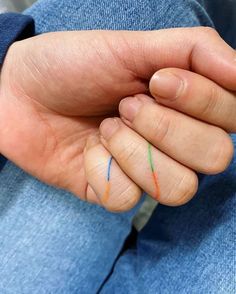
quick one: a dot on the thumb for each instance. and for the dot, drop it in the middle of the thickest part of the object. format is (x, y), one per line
(198, 49)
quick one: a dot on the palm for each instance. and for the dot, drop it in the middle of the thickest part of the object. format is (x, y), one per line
(49, 115)
(52, 147)
(46, 143)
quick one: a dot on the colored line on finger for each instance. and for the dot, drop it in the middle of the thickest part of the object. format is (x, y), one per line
(106, 195)
(154, 173)
(109, 169)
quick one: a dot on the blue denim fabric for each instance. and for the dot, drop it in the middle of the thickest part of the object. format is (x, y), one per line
(52, 242)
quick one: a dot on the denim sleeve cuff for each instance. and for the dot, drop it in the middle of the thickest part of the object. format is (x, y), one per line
(14, 27)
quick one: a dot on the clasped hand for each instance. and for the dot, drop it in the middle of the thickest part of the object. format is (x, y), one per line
(160, 103)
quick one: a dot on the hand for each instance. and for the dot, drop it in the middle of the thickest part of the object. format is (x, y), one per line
(56, 89)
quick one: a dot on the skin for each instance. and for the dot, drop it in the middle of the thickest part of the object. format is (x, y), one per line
(57, 88)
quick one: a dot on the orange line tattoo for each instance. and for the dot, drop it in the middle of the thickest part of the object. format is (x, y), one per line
(108, 185)
(154, 173)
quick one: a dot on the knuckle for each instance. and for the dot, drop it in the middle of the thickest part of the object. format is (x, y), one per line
(126, 200)
(221, 154)
(160, 128)
(185, 188)
(95, 169)
(128, 153)
(208, 31)
(211, 101)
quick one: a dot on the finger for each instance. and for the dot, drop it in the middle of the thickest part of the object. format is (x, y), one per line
(157, 174)
(108, 185)
(196, 96)
(200, 146)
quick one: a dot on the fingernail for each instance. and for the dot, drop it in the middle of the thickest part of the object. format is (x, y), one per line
(108, 127)
(166, 85)
(92, 141)
(129, 107)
